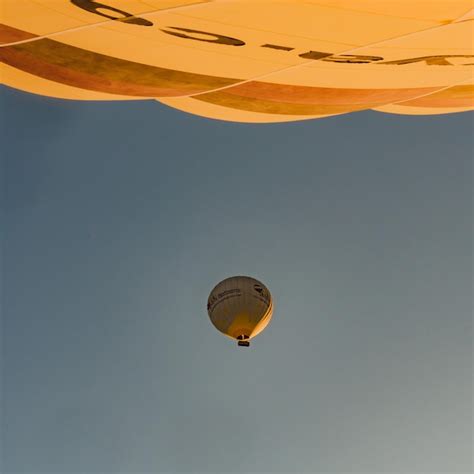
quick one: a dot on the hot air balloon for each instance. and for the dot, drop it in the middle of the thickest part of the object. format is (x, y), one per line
(246, 60)
(240, 307)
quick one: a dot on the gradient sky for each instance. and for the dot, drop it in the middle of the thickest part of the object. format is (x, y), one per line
(119, 218)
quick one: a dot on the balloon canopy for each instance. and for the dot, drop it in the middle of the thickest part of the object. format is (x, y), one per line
(240, 307)
(246, 60)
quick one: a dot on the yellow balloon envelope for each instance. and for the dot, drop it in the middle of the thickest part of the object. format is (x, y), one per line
(240, 307)
(246, 60)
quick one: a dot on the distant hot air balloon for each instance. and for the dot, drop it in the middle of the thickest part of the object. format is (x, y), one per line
(240, 307)
(246, 60)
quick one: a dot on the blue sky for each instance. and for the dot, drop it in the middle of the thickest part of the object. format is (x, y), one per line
(119, 218)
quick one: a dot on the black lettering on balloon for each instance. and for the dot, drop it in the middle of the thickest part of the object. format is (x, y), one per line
(353, 59)
(277, 46)
(314, 55)
(432, 60)
(212, 37)
(95, 7)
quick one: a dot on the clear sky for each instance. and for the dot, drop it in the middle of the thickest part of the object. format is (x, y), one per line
(119, 218)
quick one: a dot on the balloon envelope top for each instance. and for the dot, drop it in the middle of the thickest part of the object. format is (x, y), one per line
(246, 60)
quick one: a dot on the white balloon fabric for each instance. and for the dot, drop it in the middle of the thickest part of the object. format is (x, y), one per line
(246, 60)
(240, 307)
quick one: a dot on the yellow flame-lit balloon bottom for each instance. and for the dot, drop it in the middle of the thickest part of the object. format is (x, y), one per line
(246, 60)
